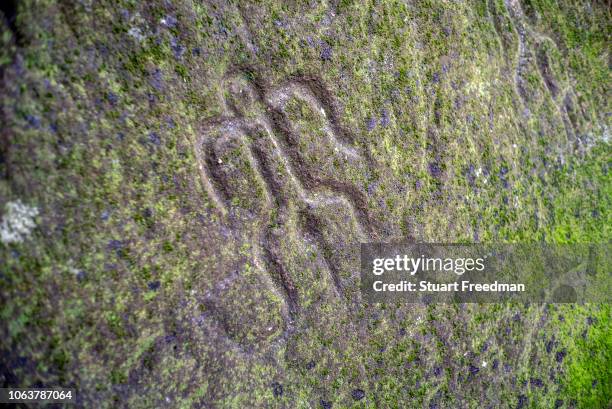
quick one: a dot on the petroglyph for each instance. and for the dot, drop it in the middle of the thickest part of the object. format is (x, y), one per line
(250, 169)
(319, 183)
(280, 97)
(523, 56)
(533, 58)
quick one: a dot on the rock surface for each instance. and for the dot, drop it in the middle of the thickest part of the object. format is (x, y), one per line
(202, 174)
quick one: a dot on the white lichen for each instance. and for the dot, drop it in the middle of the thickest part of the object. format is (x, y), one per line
(136, 33)
(70, 267)
(17, 222)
